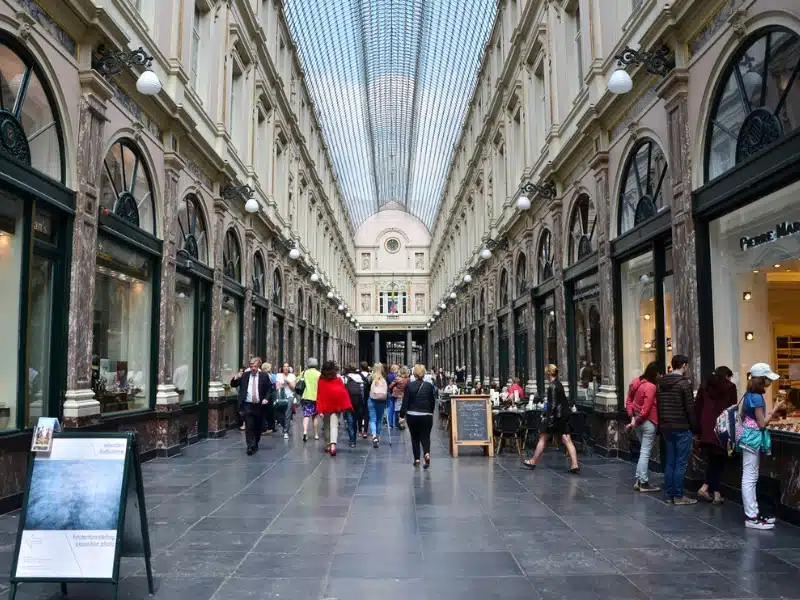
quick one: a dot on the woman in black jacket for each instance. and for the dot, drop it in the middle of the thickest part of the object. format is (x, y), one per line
(555, 422)
(417, 411)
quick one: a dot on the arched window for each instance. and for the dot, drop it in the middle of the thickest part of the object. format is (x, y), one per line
(522, 275)
(232, 257)
(581, 229)
(545, 256)
(277, 288)
(259, 274)
(127, 188)
(503, 288)
(300, 313)
(757, 103)
(641, 194)
(30, 130)
(192, 230)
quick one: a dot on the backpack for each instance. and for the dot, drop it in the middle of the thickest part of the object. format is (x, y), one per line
(353, 388)
(379, 390)
(728, 423)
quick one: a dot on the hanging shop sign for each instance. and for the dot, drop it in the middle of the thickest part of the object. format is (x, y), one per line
(84, 509)
(781, 230)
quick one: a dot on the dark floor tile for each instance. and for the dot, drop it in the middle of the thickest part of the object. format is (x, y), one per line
(237, 588)
(301, 511)
(193, 563)
(688, 586)
(380, 543)
(483, 588)
(574, 562)
(471, 564)
(133, 588)
(211, 541)
(283, 566)
(689, 541)
(284, 543)
(384, 589)
(377, 565)
(662, 560)
(457, 541)
(749, 559)
(586, 587)
(233, 524)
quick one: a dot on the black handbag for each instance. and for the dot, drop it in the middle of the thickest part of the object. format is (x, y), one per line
(300, 388)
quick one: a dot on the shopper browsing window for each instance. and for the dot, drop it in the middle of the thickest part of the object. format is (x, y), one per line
(677, 421)
(755, 439)
(716, 394)
(640, 405)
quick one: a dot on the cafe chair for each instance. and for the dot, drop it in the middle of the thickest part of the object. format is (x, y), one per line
(508, 425)
(444, 413)
(531, 423)
(581, 432)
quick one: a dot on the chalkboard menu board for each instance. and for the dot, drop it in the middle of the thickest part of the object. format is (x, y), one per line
(472, 423)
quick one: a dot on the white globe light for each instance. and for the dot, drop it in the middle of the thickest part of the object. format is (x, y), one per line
(453, 295)
(620, 82)
(523, 203)
(314, 278)
(251, 205)
(341, 307)
(294, 253)
(486, 253)
(148, 83)
(330, 295)
(443, 306)
(347, 315)
(437, 313)
(752, 83)
(467, 278)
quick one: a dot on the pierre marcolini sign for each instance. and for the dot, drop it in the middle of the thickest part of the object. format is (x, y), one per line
(781, 230)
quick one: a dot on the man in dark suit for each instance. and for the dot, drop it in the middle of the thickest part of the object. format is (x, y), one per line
(255, 392)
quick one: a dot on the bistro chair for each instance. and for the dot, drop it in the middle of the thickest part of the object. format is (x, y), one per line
(581, 432)
(508, 425)
(444, 412)
(531, 423)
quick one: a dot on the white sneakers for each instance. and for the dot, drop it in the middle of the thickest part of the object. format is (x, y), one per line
(759, 522)
(286, 436)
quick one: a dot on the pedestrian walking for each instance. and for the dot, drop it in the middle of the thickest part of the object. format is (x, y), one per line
(363, 425)
(398, 389)
(391, 418)
(755, 440)
(555, 422)
(416, 409)
(677, 421)
(285, 382)
(354, 383)
(378, 395)
(714, 396)
(332, 401)
(255, 388)
(308, 402)
(640, 405)
(270, 415)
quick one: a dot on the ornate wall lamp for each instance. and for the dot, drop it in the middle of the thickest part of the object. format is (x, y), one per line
(546, 190)
(242, 192)
(659, 62)
(112, 62)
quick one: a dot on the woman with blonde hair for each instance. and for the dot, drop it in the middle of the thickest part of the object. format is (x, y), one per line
(378, 395)
(398, 389)
(555, 422)
(417, 409)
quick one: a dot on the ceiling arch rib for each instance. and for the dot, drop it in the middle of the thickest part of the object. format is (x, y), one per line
(391, 81)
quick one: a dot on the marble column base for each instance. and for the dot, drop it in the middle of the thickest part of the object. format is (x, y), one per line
(606, 399)
(80, 409)
(530, 387)
(222, 412)
(168, 429)
(167, 395)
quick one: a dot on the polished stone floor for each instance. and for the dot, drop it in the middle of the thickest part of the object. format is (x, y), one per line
(291, 523)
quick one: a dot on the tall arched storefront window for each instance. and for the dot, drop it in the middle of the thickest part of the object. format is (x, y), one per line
(124, 331)
(641, 196)
(232, 317)
(757, 101)
(276, 350)
(35, 237)
(258, 333)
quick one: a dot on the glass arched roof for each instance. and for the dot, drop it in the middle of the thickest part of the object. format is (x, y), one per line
(391, 81)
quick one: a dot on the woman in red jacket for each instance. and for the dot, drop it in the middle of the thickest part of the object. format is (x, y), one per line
(332, 400)
(640, 404)
(716, 394)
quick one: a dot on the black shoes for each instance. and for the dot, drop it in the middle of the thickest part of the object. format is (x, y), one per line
(250, 452)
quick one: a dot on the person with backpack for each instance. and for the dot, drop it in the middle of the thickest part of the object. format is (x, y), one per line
(285, 382)
(419, 402)
(677, 421)
(755, 439)
(363, 421)
(717, 394)
(354, 383)
(307, 388)
(640, 405)
(378, 394)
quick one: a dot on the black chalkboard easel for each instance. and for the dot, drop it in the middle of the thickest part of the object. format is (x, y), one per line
(471, 423)
(124, 503)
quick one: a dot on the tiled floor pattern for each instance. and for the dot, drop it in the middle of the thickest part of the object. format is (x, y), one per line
(291, 523)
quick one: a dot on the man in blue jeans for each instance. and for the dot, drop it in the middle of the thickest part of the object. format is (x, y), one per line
(677, 421)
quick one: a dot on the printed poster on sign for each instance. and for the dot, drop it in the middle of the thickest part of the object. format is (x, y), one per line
(43, 434)
(73, 508)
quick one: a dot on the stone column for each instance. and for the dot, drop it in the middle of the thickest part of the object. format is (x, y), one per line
(470, 376)
(556, 210)
(376, 350)
(409, 349)
(247, 308)
(218, 416)
(494, 353)
(80, 406)
(167, 399)
(686, 337)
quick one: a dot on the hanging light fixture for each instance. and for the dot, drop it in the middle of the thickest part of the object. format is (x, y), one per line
(314, 278)
(330, 295)
(294, 253)
(112, 63)
(659, 62)
(486, 254)
(467, 278)
(453, 295)
(523, 203)
(341, 307)
(443, 306)
(437, 313)
(347, 315)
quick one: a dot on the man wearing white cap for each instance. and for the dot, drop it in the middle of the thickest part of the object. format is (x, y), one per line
(755, 439)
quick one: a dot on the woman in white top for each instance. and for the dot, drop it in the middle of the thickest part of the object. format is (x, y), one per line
(284, 383)
(451, 388)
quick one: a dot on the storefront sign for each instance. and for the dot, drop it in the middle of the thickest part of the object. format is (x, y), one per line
(781, 230)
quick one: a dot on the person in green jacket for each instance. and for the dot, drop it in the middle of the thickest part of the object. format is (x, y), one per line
(309, 400)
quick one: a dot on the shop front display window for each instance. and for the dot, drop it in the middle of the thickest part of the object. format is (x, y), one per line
(758, 101)
(230, 338)
(639, 343)
(586, 329)
(755, 287)
(11, 250)
(39, 336)
(121, 328)
(184, 355)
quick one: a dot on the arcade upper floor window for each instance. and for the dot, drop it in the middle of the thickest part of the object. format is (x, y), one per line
(232, 257)
(757, 101)
(127, 189)
(192, 230)
(641, 195)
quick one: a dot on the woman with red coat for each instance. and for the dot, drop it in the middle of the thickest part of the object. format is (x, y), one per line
(640, 405)
(717, 394)
(332, 400)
